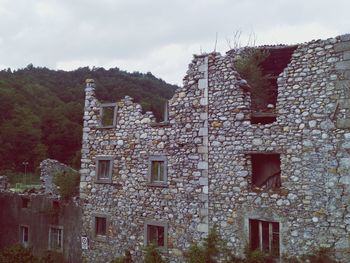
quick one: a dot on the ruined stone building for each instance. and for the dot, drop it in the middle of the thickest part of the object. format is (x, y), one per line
(41, 220)
(275, 178)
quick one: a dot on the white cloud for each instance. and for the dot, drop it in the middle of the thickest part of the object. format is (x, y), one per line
(153, 35)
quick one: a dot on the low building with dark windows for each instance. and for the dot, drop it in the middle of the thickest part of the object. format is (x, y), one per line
(271, 173)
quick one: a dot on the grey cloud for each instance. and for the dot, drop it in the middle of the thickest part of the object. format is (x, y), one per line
(46, 33)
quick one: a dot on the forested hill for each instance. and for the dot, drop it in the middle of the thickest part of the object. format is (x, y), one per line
(41, 110)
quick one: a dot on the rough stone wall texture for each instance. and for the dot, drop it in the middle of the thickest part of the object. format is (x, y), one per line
(208, 144)
(48, 169)
(38, 216)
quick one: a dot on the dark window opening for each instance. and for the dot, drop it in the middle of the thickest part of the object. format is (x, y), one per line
(260, 68)
(25, 202)
(276, 61)
(264, 236)
(100, 226)
(56, 205)
(108, 115)
(155, 235)
(266, 170)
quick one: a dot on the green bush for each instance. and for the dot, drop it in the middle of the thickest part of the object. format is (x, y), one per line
(17, 253)
(124, 259)
(152, 254)
(321, 255)
(67, 183)
(211, 248)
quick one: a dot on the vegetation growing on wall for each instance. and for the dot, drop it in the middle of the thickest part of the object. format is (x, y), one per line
(67, 183)
(249, 68)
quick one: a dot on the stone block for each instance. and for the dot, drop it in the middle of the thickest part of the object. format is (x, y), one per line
(204, 116)
(342, 65)
(344, 103)
(202, 165)
(343, 123)
(203, 181)
(342, 46)
(203, 132)
(202, 149)
(203, 228)
(203, 83)
(203, 67)
(342, 84)
(204, 101)
(345, 37)
(346, 55)
(203, 212)
(203, 197)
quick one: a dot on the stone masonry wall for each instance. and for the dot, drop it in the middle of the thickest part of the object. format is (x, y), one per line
(208, 143)
(48, 169)
(312, 203)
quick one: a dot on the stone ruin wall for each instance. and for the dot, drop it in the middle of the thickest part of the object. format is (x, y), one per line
(128, 202)
(310, 135)
(48, 169)
(208, 142)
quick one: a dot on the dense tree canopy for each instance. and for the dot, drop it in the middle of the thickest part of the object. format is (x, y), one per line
(41, 109)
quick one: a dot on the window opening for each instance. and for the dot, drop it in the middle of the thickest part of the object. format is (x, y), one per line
(24, 236)
(156, 235)
(266, 170)
(108, 114)
(56, 238)
(104, 168)
(260, 68)
(158, 170)
(100, 226)
(264, 235)
(25, 202)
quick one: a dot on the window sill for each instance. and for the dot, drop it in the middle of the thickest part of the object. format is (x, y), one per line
(109, 181)
(101, 238)
(161, 124)
(153, 184)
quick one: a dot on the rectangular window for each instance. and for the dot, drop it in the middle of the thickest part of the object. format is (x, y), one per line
(156, 233)
(108, 113)
(100, 226)
(264, 235)
(158, 170)
(24, 236)
(104, 167)
(56, 238)
(25, 202)
(266, 170)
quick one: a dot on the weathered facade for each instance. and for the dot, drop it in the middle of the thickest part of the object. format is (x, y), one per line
(45, 224)
(277, 180)
(41, 219)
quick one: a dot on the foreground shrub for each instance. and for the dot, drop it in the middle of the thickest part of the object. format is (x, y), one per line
(124, 259)
(17, 253)
(152, 254)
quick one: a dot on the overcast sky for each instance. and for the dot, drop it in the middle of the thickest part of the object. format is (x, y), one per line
(159, 36)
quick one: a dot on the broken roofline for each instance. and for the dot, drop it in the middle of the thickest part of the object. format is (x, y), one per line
(232, 52)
